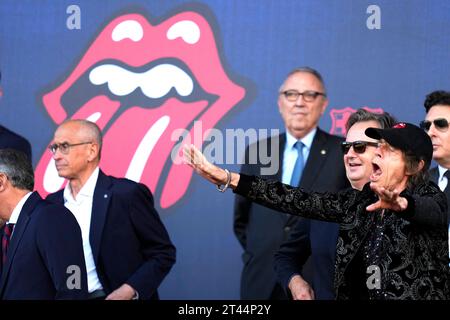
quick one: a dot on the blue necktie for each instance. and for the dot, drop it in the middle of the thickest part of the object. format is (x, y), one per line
(299, 163)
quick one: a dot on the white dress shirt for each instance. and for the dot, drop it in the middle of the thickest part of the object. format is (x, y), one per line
(17, 209)
(442, 182)
(81, 207)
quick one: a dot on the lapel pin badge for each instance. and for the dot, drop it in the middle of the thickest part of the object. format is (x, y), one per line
(105, 196)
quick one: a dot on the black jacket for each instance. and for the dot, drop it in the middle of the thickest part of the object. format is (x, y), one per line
(259, 230)
(129, 241)
(409, 248)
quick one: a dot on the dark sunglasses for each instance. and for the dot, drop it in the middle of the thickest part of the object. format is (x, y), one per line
(440, 124)
(358, 146)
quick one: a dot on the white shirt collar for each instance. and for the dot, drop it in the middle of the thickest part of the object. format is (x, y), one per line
(15, 214)
(86, 191)
(306, 140)
(442, 170)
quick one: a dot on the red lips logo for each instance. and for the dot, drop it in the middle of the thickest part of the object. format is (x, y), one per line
(140, 82)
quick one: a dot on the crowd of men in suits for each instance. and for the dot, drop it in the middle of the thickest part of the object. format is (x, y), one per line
(289, 257)
(66, 246)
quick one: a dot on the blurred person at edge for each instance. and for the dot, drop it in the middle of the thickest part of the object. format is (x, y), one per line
(436, 123)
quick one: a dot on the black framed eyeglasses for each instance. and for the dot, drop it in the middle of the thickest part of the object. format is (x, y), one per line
(358, 146)
(440, 124)
(64, 147)
(308, 96)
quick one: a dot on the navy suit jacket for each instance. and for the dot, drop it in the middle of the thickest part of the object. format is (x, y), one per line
(261, 230)
(434, 176)
(314, 240)
(45, 243)
(129, 242)
(11, 140)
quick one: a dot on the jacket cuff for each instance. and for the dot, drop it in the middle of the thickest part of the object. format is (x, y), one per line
(409, 212)
(244, 184)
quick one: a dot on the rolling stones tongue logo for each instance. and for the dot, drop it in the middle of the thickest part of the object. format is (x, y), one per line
(140, 83)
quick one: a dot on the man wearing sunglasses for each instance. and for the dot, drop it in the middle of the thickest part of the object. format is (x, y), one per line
(436, 124)
(358, 150)
(11, 140)
(393, 233)
(302, 100)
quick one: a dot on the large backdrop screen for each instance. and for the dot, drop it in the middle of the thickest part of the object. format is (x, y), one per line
(149, 72)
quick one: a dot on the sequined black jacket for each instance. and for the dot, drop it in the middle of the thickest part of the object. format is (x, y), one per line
(410, 248)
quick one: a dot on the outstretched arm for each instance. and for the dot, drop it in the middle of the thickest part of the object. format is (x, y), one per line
(388, 199)
(197, 161)
(274, 194)
(426, 205)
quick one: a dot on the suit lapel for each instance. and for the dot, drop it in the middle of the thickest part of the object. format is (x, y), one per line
(316, 159)
(313, 165)
(100, 204)
(19, 229)
(434, 175)
(282, 144)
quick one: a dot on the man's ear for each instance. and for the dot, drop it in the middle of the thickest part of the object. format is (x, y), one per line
(3, 181)
(93, 152)
(421, 165)
(418, 168)
(324, 106)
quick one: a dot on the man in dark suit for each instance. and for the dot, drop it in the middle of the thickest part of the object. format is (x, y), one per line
(436, 124)
(127, 249)
(42, 253)
(317, 165)
(11, 140)
(307, 240)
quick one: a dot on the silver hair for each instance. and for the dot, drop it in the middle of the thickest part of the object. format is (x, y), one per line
(91, 130)
(17, 167)
(309, 70)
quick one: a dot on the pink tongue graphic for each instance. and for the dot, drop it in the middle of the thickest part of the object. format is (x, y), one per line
(145, 148)
(138, 140)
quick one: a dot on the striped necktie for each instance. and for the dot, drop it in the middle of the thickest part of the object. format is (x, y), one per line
(6, 237)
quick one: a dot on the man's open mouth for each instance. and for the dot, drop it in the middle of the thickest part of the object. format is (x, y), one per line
(141, 83)
(352, 164)
(376, 172)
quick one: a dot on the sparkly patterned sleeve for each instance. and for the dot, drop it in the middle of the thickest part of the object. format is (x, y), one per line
(427, 206)
(319, 206)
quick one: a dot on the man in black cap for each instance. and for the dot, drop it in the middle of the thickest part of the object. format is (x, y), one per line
(11, 140)
(393, 233)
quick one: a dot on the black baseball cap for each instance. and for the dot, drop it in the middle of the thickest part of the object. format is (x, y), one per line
(406, 137)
